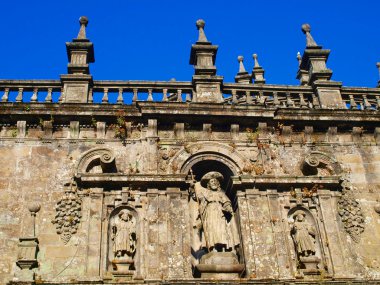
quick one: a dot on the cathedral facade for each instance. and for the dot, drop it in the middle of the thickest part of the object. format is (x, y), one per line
(190, 182)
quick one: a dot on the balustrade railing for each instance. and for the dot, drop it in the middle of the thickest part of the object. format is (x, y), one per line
(271, 96)
(129, 92)
(355, 100)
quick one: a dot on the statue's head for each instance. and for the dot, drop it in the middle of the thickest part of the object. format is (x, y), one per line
(213, 184)
(124, 215)
(299, 216)
(212, 180)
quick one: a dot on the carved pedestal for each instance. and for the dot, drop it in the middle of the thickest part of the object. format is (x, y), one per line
(27, 258)
(220, 265)
(122, 268)
(311, 265)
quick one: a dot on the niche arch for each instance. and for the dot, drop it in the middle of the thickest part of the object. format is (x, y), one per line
(192, 153)
(97, 160)
(111, 266)
(304, 264)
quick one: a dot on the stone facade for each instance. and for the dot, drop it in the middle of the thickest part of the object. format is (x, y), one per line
(214, 182)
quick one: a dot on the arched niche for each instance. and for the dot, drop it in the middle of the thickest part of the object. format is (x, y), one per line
(203, 162)
(320, 164)
(97, 160)
(213, 215)
(192, 153)
(122, 259)
(302, 232)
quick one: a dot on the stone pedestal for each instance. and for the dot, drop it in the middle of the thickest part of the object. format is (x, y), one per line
(27, 258)
(220, 265)
(122, 268)
(311, 265)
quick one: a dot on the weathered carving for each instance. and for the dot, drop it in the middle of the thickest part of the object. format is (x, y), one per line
(216, 228)
(319, 163)
(123, 242)
(303, 235)
(124, 235)
(215, 219)
(165, 154)
(100, 160)
(350, 211)
(68, 213)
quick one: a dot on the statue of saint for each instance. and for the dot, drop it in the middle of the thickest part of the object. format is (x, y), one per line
(303, 235)
(215, 219)
(124, 235)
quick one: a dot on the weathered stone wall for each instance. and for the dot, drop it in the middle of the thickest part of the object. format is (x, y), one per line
(34, 170)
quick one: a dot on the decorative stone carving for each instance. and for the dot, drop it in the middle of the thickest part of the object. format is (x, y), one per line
(215, 217)
(68, 213)
(350, 211)
(165, 154)
(28, 249)
(123, 242)
(27, 253)
(303, 235)
(321, 164)
(100, 160)
(216, 228)
(124, 235)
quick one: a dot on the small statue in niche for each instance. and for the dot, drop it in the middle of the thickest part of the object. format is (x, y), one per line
(124, 235)
(215, 219)
(303, 235)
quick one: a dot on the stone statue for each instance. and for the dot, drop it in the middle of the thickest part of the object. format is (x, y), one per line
(215, 219)
(124, 235)
(303, 235)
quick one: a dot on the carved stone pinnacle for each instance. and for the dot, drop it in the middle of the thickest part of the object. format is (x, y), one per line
(306, 28)
(200, 23)
(83, 20)
(34, 208)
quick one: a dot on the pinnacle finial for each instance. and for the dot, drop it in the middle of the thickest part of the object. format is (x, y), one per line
(378, 68)
(202, 36)
(255, 60)
(309, 39)
(83, 21)
(241, 64)
(299, 58)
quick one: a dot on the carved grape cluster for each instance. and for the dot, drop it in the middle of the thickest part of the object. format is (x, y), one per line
(68, 216)
(350, 211)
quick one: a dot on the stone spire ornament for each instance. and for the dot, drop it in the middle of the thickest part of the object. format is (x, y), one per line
(83, 21)
(34, 208)
(258, 71)
(314, 72)
(310, 42)
(378, 68)
(241, 64)
(242, 76)
(78, 80)
(202, 36)
(206, 83)
(299, 58)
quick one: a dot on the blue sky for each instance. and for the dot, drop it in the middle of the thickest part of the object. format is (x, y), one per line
(151, 40)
